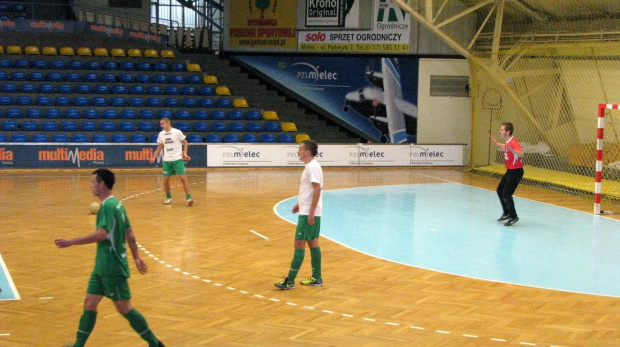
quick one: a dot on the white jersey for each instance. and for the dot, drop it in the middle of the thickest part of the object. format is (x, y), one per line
(312, 174)
(173, 144)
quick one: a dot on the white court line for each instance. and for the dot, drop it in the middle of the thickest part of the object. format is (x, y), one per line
(7, 275)
(254, 232)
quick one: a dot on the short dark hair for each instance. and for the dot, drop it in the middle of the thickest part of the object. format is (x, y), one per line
(311, 146)
(106, 176)
(508, 127)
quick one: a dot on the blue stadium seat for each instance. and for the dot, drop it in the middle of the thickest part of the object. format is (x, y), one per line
(235, 115)
(107, 125)
(236, 127)
(24, 100)
(159, 79)
(19, 137)
(117, 101)
(102, 89)
(91, 113)
(3, 76)
(53, 113)
(285, 138)
(218, 126)
(213, 138)
(206, 90)
(160, 67)
(201, 126)
(68, 125)
(135, 101)
(171, 90)
(249, 138)
(39, 137)
(58, 64)
(62, 101)
(93, 65)
(39, 64)
(72, 77)
(119, 138)
(110, 65)
(108, 77)
(273, 127)
(223, 102)
(193, 79)
(154, 90)
(36, 76)
(254, 127)
(127, 78)
(205, 103)
(99, 101)
(83, 89)
(144, 66)
(153, 102)
(54, 76)
(90, 77)
(80, 101)
(99, 138)
(3, 138)
(136, 89)
(88, 126)
(183, 126)
(72, 113)
(6, 100)
(146, 126)
(171, 102)
(9, 125)
(60, 137)
(119, 89)
(126, 126)
(14, 113)
(27, 88)
(128, 114)
(18, 8)
(194, 138)
(138, 138)
(64, 88)
(34, 113)
(201, 114)
(110, 114)
(46, 88)
(6, 64)
(188, 90)
(231, 138)
(164, 113)
(79, 138)
(177, 79)
(49, 126)
(147, 114)
(18, 76)
(153, 138)
(177, 67)
(142, 78)
(183, 115)
(127, 66)
(218, 115)
(267, 138)
(75, 65)
(189, 102)
(21, 64)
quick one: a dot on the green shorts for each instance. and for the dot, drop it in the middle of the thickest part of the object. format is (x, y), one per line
(172, 168)
(113, 287)
(306, 231)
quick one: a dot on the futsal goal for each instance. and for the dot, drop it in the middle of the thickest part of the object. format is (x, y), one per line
(600, 168)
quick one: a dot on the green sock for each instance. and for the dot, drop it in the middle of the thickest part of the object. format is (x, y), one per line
(139, 324)
(188, 196)
(168, 196)
(87, 324)
(315, 254)
(298, 259)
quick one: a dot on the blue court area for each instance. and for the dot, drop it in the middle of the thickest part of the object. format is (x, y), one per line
(9, 291)
(452, 228)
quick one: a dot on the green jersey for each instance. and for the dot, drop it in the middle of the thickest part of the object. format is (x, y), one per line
(111, 257)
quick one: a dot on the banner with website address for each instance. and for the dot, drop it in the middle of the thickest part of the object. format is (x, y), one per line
(389, 34)
(263, 24)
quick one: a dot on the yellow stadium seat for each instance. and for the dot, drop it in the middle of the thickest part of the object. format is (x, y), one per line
(151, 53)
(117, 52)
(194, 67)
(301, 137)
(1, 50)
(67, 51)
(167, 53)
(13, 49)
(49, 50)
(210, 80)
(270, 115)
(32, 50)
(84, 51)
(101, 52)
(240, 103)
(221, 90)
(289, 126)
(134, 52)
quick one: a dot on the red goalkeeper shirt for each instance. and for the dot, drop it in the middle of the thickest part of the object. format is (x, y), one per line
(513, 161)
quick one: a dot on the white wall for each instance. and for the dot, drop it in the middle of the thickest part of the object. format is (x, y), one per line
(443, 120)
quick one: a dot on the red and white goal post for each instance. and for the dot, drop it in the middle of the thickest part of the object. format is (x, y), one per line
(598, 175)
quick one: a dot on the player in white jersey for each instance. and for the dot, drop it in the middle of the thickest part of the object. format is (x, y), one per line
(175, 145)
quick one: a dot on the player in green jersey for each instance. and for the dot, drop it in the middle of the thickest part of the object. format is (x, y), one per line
(109, 277)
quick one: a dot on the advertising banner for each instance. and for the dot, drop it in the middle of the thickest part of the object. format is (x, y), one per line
(332, 13)
(389, 34)
(37, 25)
(263, 24)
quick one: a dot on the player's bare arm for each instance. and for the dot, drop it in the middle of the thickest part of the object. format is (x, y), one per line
(133, 247)
(97, 236)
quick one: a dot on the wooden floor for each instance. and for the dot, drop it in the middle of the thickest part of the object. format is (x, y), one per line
(211, 278)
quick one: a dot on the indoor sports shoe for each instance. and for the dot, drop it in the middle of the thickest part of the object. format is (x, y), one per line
(190, 202)
(503, 217)
(285, 284)
(511, 221)
(311, 281)
(168, 201)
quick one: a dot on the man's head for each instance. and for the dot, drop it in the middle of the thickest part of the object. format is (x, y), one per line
(307, 150)
(165, 123)
(101, 180)
(506, 130)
